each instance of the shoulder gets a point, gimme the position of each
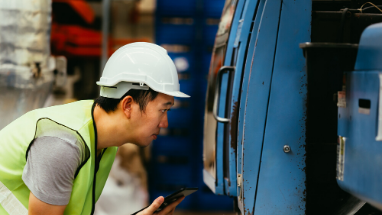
(55, 149)
(49, 131)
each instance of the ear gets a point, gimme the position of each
(127, 106)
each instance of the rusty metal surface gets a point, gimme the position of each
(247, 202)
(281, 187)
(234, 95)
(26, 74)
(213, 173)
(15, 101)
(256, 107)
(25, 32)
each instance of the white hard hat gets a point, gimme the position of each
(139, 66)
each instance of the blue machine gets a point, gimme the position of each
(262, 70)
(359, 162)
(271, 112)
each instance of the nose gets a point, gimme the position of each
(164, 122)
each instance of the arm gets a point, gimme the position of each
(38, 207)
(49, 174)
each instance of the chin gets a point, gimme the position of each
(143, 143)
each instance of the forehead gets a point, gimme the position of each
(164, 100)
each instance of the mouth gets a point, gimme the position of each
(155, 136)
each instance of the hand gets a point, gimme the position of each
(169, 210)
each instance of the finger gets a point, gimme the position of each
(154, 206)
(171, 206)
(172, 211)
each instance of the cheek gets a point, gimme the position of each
(153, 120)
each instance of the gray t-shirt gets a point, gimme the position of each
(51, 166)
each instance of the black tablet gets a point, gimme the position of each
(173, 197)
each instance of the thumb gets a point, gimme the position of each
(155, 205)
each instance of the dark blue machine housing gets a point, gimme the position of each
(360, 124)
(258, 107)
(270, 131)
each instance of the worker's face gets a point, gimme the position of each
(149, 122)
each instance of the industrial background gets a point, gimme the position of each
(278, 89)
(82, 34)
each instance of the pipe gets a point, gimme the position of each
(105, 31)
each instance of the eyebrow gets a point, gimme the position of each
(168, 103)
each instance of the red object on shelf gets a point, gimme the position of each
(82, 8)
(77, 41)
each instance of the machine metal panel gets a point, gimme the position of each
(281, 183)
(370, 49)
(250, 186)
(244, 82)
(213, 174)
(358, 127)
(213, 170)
(241, 44)
(359, 154)
(257, 96)
(220, 135)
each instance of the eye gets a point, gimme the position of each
(164, 110)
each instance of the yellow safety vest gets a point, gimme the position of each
(16, 138)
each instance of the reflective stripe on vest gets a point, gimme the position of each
(10, 203)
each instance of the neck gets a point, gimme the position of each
(108, 131)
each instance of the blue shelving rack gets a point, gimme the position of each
(187, 30)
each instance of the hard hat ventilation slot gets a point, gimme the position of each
(141, 84)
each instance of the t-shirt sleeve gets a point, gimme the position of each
(49, 172)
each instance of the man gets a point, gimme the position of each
(56, 160)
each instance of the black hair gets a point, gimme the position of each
(141, 97)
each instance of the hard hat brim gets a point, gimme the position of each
(176, 94)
